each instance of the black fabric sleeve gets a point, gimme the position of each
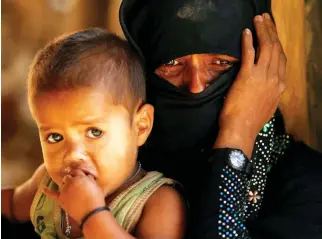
(292, 207)
(221, 211)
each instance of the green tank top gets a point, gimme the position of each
(46, 215)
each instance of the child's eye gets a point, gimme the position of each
(223, 63)
(54, 138)
(94, 133)
(172, 63)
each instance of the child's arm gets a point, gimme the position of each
(16, 203)
(163, 217)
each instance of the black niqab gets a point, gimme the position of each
(186, 123)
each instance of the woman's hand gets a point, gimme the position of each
(79, 194)
(256, 92)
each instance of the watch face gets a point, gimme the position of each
(237, 159)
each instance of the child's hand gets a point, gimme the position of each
(79, 194)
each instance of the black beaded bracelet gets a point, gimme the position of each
(92, 213)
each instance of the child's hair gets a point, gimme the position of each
(89, 58)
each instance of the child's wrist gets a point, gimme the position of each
(92, 214)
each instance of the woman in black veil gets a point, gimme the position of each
(217, 127)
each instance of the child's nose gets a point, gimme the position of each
(74, 154)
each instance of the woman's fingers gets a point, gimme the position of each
(282, 72)
(277, 66)
(248, 51)
(264, 42)
(270, 27)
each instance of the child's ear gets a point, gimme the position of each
(143, 121)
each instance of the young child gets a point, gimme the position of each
(86, 92)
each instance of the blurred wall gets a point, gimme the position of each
(313, 30)
(289, 19)
(28, 25)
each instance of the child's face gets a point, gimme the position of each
(82, 129)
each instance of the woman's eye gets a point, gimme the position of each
(223, 63)
(54, 138)
(172, 63)
(94, 133)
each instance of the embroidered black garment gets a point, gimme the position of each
(186, 125)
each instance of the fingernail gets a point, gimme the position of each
(267, 16)
(247, 31)
(67, 170)
(259, 18)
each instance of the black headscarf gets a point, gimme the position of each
(165, 30)
(185, 123)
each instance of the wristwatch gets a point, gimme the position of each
(239, 161)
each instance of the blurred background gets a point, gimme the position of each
(28, 25)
